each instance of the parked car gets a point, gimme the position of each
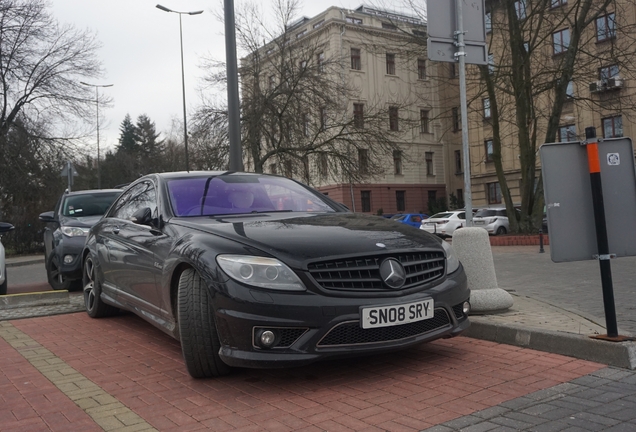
(493, 220)
(413, 219)
(4, 227)
(444, 224)
(65, 233)
(258, 271)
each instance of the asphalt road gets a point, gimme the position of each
(574, 286)
(27, 278)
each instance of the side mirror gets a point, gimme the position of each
(143, 216)
(48, 216)
(5, 227)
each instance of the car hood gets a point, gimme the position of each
(82, 222)
(299, 237)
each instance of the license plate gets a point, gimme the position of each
(479, 222)
(391, 315)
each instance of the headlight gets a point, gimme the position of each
(261, 272)
(452, 263)
(74, 231)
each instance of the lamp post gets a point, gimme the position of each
(185, 126)
(97, 86)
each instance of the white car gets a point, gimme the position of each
(4, 227)
(444, 224)
(493, 220)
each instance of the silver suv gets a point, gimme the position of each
(493, 220)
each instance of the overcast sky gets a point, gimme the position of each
(140, 53)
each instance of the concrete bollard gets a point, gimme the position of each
(472, 247)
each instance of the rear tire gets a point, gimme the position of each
(197, 330)
(501, 230)
(95, 307)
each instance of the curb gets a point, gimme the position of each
(43, 298)
(619, 354)
(17, 263)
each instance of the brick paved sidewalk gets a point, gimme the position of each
(72, 372)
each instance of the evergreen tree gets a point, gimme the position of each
(127, 136)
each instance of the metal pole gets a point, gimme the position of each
(234, 119)
(461, 56)
(99, 176)
(185, 121)
(601, 232)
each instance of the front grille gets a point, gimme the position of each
(289, 336)
(350, 333)
(363, 273)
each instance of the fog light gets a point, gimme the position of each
(267, 338)
(466, 308)
(68, 259)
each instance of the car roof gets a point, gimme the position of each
(91, 191)
(186, 174)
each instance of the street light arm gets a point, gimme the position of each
(195, 12)
(163, 8)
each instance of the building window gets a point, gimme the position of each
(560, 41)
(397, 162)
(365, 196)
(301, 34)
(390, 64)
(393, 118)
(490, 149)
(558, 3)
(272, 168)
(607, 72)
(520, 7)
(320, 62)
(352, 20)
(323, 165)
(421, 69)
(491, 63)
(305, 125)
(613, 127)
(319, 23)
(424, 126)
(389, 26)
(457, 119)
(358, 115)
(486, 104)
(567, 133)
(488, 20)
(432, 197)
(363, 161)
(323, 118)
(400, 200)
(428, 156)
(569, 91)
(460, 197)
(458, 162)
(452, 70)
(494, 193)
(356, 62)
(605, 27)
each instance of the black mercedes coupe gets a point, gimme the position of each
(259, 271)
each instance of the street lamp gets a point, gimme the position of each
(97, 86)
(185, 126)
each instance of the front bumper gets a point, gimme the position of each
(312, 327)
(70, 246)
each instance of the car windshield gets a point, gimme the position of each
(90, 204)
(486, 213)
(441, 215)
(235, 194)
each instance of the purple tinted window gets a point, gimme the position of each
(223, 195)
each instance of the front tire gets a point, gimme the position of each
(57, 280)
(95, 307)
(501, 230)
(197, 330)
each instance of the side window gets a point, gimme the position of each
(502, 213)
(139, 196)
(462, 216)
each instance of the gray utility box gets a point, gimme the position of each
(568, 198)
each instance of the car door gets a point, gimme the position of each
(130, 266)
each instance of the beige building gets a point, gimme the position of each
(372, 52)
